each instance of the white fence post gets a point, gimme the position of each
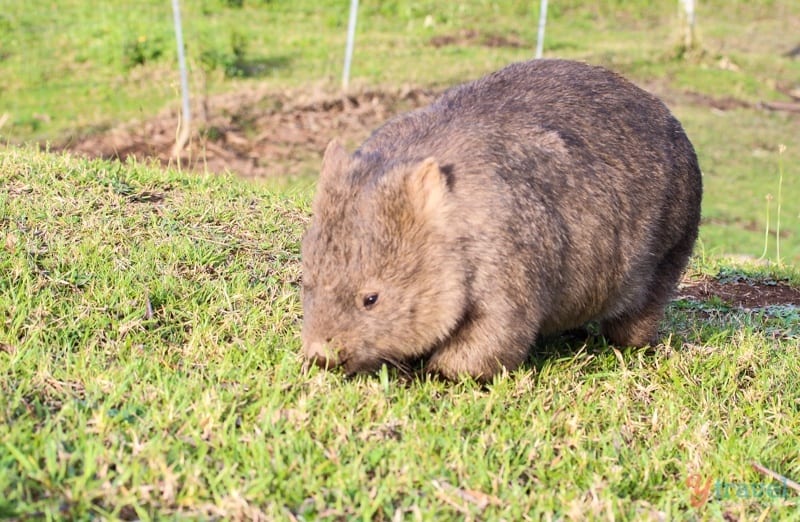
(688, 9)
(351, 36)
(185, 126)
(542, 22)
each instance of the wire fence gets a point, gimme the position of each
(75, 64)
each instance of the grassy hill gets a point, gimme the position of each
(149, 317)
(148, 369)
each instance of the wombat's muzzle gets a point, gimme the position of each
(322, 354)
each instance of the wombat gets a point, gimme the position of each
(531, 201)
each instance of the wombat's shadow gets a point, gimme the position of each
(586, 339)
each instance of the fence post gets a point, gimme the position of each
(351, 36)
(184, 129)
(540, 34)
(689, 14)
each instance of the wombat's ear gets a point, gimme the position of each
(427, 187)
(334, 162)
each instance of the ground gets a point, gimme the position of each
(258, 132)
(742, 293)
(239, 131)
(150, 317)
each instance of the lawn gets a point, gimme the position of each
(149, 317)
(149, 368)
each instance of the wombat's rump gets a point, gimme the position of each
(535, 199)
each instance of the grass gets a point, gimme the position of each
(149, 369)
(739, 155)
(82, 65)
(149, 318)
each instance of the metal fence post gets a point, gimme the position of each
(351, 36)
(185, 126)
(689, 14)
(542, 22)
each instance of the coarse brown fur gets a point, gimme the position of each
(535, 199)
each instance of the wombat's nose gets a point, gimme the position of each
(322, 354)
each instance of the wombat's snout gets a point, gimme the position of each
(322, 353)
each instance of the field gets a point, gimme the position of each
(149, 310)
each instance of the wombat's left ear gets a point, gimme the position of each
(334, 166)
(334, 162)
(427, 188)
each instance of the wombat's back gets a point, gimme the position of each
(566, 164)
(589, 110)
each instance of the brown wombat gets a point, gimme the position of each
(535, 199)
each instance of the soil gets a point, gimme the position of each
(743, 294)
(260, 132)
(472, 37)
(256, 132)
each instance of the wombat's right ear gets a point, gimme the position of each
(427, 188)
(334, 162)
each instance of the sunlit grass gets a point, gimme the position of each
(149, 369)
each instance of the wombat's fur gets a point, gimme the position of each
(528, 202)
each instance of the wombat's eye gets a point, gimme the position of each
(370, 300)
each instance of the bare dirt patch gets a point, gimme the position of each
(742, 294)
(258, 132)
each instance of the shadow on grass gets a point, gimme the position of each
(586, 339)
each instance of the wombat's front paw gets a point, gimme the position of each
(455, 364)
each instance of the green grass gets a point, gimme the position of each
(80, 64)
(195, 405)
(741, 163)
(149, 318)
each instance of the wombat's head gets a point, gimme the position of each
(382, 282)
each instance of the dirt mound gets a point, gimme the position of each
(741, 293)
(258, 132)
(263, 132)
(468, 37)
